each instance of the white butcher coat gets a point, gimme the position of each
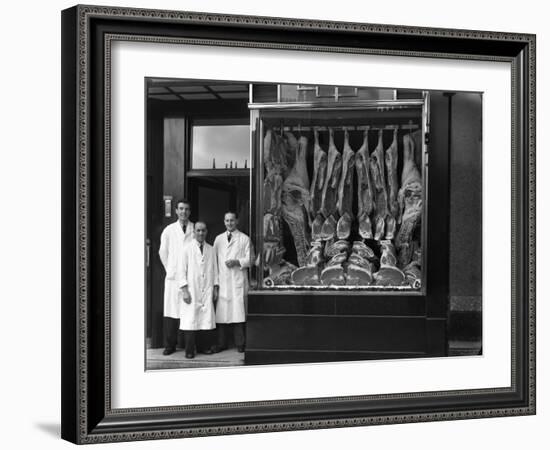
(172, 241)
(231, 307)
(199, 273)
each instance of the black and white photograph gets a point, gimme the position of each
(299, 223)
(292, 223)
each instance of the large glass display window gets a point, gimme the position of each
(342, 201)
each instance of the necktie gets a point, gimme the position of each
(184, 227)
(200, 246)
(228, 237)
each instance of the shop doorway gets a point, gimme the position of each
(211, 197)
(198, 147)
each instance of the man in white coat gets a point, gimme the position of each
(233, 254)
(172, 241)
(198, 282)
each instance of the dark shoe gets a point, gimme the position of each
(168, 351)
(217, 349)
(240, 349)
(189, 355)
(207, 351)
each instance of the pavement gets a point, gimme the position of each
(156, 360)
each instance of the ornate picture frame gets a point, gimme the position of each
(87, 35)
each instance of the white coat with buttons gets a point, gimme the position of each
(172, 241)
(231, 307)
(199, 273)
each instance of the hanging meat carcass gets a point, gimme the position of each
(343, 227)
(329, 197)
(345, 191)
(317, 183)
(295, 200)
(276, 153)
(291, 145)
(282, 154)
(333, 248)
(360, 267)
(317, 227)
(330, 189)
(410, 202)
(273, 181)
(309, 275)
(275, 161)
(268, 142)
(273, 250)
(328, 229)
(300, 164)
(345, 185)
(272, 231)
(363, 250)
(365, 194)
(333, 274)
(413, 271)
(359, 271)
(391, 170)
(280, 274)
(380, 193)
(388, 274)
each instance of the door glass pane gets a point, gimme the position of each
(220, 146)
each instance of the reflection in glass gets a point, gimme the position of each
(220, 146)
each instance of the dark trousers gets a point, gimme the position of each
(197, 340)
(171, 328)
(238, 333)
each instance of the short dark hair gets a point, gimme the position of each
(231, 212)
(183, 200)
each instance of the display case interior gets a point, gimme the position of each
(343, 196)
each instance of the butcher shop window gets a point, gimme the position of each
(342, 198)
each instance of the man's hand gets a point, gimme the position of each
(186, 295)
(232, 263)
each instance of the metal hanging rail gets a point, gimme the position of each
(299, 128)
(380, 105)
